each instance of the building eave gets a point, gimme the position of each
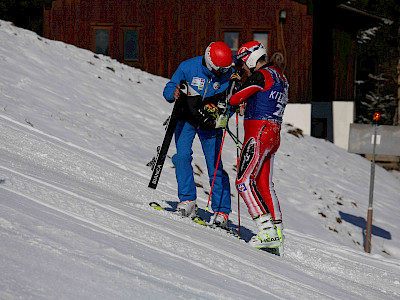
(365, 14)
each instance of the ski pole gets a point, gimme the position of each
(234, 137)
(216, 168)
(237, 164)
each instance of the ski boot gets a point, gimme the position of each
(279, 230)
(187, 208)
(221, 219)
(267, 236)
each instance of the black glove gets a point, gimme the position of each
(207, 120)
(193, 109)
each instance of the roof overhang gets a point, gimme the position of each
(354, 19)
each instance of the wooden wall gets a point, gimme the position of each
(173, 31)
(343, 65)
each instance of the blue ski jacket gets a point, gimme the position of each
(199, 77)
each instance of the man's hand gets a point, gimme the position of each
(177, 92)
(222, 121)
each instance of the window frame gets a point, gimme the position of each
(261, 30)
(234, 51)
(101, 27)
(124, 30)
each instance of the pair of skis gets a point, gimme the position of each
(197, 219)
(158, 162)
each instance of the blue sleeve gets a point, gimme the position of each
(223, 87)
(170, 87)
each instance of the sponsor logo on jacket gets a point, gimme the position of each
(241, 187)
(247, 156)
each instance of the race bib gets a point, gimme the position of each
(199, 82)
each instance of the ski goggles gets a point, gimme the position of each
(222, 69)
(238, 59)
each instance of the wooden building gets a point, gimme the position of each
(318, 38)
(157, 35)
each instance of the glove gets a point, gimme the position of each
(242, 107)
(218, 113)
(210, 114)
(235, 77)
(194, 111)
(221, 121)
(206, 120)
(211, 109)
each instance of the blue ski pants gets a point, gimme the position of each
(211, 144)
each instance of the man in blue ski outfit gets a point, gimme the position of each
(208, 76)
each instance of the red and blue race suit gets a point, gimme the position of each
(206, 84)
(266, 96)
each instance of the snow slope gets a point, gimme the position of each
(76, 131)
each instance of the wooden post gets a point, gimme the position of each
(371, 197)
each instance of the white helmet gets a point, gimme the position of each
(249, 53)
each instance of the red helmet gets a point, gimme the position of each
(218, 57)
(249, 53)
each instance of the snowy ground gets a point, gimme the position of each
(76, 131)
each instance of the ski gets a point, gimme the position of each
(158, 163)
(195, 219)
(199, 220)
(228, 230)
(276, 251)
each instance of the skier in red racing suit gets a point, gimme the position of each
(266, 95)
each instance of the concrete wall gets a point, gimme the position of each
(343, 116)
(299, 115)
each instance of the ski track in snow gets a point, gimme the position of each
(106, 214)
(67, 206)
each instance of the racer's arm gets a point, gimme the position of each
(259, 81)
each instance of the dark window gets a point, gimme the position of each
(319, 128)
(231, 38)
(261, 37)
(102, 41)
(131, 42)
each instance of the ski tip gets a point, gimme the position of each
(199, 220)
(155, 205)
